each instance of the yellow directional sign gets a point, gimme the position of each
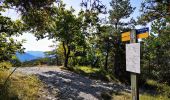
(126, 36)
(143, 35)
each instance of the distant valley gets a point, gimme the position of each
(30, 55)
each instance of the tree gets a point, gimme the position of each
(105, 44)
(67, 30)
(121, 9)
(94, 5)
(154, 10)
(8, 45)
(157, 45)
(36, 14)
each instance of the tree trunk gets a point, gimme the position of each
(106, 58)
(117, 53)
(66, 53)
(66, 62)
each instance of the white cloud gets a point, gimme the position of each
(32, 44)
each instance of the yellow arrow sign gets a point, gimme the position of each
(143, 35)
(126, 36)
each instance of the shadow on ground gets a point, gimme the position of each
(77, 87)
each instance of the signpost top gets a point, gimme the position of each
(142, 30)
(139, 34)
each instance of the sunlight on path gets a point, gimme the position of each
(70, 85)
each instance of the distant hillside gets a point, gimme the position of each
(36, 53)
(30, 55)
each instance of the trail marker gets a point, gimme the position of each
(126, 36)
(133, 57)
(140, 33)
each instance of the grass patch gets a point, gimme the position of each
(94, 73)
(116, 96)
(88, 69)
(161, 89)
(152, 91)
(127, 96)
(19, 87)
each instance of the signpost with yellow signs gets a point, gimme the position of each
(133, 56)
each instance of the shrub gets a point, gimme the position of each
(5, 66)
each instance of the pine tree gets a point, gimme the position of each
(157, 46)
(121, 9)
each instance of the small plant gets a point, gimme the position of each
(5, 66)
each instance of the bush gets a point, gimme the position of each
(5, 66)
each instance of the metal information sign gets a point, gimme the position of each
(133, 57)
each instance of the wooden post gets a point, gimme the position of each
(134, 78)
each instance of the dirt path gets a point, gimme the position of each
(70, 86)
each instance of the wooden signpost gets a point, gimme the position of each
(133, 57)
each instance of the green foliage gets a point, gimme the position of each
(19, 87)
(10, 27)
(94, 5)
(5, 66)
(88, 69)
(42, 9)
(94, 73)
(40, 62)
(121, 9)
(156, 55)
(153, 10)
(8, 45)
(16, 62)
(153, 91)
(69, 34)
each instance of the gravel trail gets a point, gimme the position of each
(65, 85)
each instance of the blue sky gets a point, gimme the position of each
(43, 45)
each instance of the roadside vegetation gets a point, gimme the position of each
(93, 73)
(18, 86)
(151, 90)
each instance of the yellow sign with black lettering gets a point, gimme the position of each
(143, 35)
(126, 36)
(140, 33)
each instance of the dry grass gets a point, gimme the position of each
(19, 86)
(162, 93)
